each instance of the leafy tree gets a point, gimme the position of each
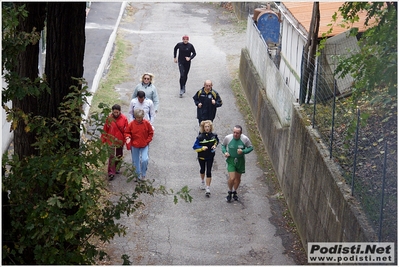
(44, 189)
(374, 68)
(65, 44)
(54, 204)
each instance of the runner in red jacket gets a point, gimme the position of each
(114, 130)
(139, 134)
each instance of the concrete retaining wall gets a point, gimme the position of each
(318, 199)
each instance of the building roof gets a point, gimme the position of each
(302, 13)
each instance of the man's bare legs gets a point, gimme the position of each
(233, 183)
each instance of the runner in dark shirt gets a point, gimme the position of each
(207, 101)
(186, 54)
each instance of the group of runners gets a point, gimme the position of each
(138, 133)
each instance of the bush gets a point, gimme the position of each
(56, 202)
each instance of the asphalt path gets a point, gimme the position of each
(101, 20)
(208, 231)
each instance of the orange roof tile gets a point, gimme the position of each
(302, 12)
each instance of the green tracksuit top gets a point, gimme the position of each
(231, 145)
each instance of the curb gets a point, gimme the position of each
(104, 60)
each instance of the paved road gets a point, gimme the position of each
(208, 231)
(101, 21)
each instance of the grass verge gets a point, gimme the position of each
(117, 73)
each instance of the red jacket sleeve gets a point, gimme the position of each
(128, 131)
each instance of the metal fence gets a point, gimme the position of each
(362, 140)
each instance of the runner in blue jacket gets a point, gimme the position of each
(205, 145)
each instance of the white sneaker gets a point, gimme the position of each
(202, 186)
(207, 192)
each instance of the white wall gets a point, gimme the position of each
(292, 43)
(277, 91)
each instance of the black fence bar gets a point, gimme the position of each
(382, 192)
(315, 98)
(355, 153)
(301, 85)
(333, 119)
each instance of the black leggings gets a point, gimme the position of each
(208, 164)
(184, 68)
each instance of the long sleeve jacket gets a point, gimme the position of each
(140, 133)
(150, 92)
(207, 110)
(206, 139)
(185, 50)
(231, 145)
(114, 130)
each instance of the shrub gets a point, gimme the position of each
(55, 203)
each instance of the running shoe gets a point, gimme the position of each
(235, 197)
(208, 192)
(228, 198)
(202, 186)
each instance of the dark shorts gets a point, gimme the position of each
(235, 165)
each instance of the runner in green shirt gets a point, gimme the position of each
(234, 148)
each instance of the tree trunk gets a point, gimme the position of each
(28, 68)
(64, 60)
(65, 52)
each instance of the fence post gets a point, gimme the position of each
(356, 142)
(333, 118)
(315, 94)
(382, 191)
(301, 85)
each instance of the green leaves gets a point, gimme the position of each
(59, 199)
(13, 43)
(55, 200)
(374, 68)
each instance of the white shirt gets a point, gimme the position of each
(150, 93)
(147, 106)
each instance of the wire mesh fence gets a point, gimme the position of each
(362, 140)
